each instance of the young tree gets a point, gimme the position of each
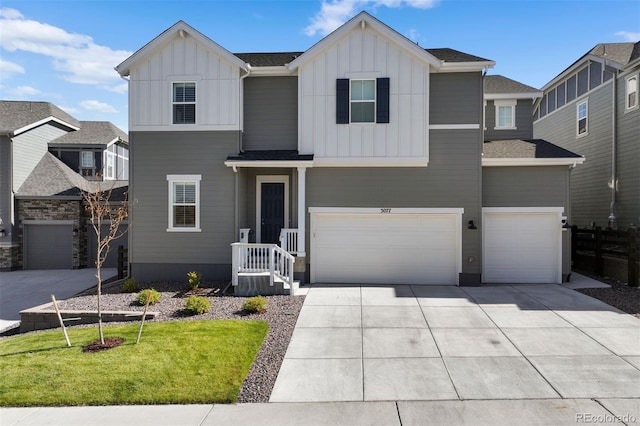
(103, 210)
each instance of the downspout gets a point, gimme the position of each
(236, 220)
(614, 143)
(240, 105)
(236, 214)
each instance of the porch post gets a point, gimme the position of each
(302, 173)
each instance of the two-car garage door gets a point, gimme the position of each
(386, 246)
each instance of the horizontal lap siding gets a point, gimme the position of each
(158, 154)
(590, 195)
(451, 180)
(270, 113)
(524, 120)
(29, 148)
(455, 98)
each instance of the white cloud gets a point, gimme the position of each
(629, 36)
(68, 109)
(22, 91)
(8, 68)
(76, 56)
(93, 105)
(413, 35)
(118, 88)
(334, 13)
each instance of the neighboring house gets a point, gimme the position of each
(361, 155)
(44, 155)
(592, 108)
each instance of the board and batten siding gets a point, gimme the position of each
(452, 180)
(524, 122)
(29, 148)
(184, 60)
(364, 54)
(456, 98)
(270, 113)
(590, 193)
(628, 152)
(158, 154)
(530, 187)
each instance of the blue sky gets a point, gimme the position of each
(64, 51)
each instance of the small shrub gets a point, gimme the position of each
(148, 294)
(130, 285)
(196, 305)
(194, 279)
(255, 304)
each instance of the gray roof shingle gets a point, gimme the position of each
(495, 84)
(91, 133)
(270, 155)
(617, 52)
(451, 55)
(17, 114)
(525, 148)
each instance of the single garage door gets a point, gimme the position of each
(48, 246)
(385, 248)
(522, 247)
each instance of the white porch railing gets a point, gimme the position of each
(252, 259)
(289, 240)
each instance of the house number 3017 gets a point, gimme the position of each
(385, 210)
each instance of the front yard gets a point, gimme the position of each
(181, 362)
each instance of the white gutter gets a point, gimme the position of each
(517, 162)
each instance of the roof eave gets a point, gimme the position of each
(363, 18)
(268, 163)
(578, 64)
(35, 124)
(524, 95)
(465, 66)
(271, 71)
(519, 162)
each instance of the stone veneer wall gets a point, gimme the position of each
(10, 257)
(47, 209)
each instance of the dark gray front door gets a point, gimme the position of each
(272, 212)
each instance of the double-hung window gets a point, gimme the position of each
(362, 100)
(110, 165)
(184, 202)
(505, 114)
(87, 160)
(184, 103)
(582, 118)
(631, 92)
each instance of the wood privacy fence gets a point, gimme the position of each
(123, 262)
(602, 244)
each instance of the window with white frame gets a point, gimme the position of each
(582, 118)
(505, 114)
(184, 202)
(363, 101)
(631, 92)
(184, 103)
(110, 165)
(87, 160)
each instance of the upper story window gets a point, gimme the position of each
(505, 114)
(362, 100)
(87, 160)
(110, 166)
(184, 202)
(631, 92)
(184, 103)
(582, 118)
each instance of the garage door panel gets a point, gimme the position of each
(403, 249)
(521, 247)
(48, 247)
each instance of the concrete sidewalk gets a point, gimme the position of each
(388, 413)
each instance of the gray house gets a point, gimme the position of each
(47, 158)
(358, 160)
(592, 108)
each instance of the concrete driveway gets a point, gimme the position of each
(25, 289)
(437, 343)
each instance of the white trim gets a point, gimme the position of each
(465, 66)
(9, 244)
(184, 127)
(260, 179)
(272, 71)
(508, 103)
(627, 108)
(504, 162)
(454, 126)
(586, 118)
(386, 210)
(171, 179)
(185, 80)
(371, 162)
(495, 96)
(43, 121)
(558, 211)
(578, 67)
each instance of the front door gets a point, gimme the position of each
(272, 211)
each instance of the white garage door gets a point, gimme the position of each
(522, 247)
(385, 248)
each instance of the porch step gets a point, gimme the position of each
(257, 283)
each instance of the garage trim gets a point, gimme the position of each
(387, 211)
(557, 211)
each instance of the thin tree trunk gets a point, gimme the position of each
(98, 275)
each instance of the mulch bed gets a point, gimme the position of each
(98, 346)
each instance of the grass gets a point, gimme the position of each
(181, 362)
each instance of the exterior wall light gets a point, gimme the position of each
(472, 225)
(75, 232)
(3, 232)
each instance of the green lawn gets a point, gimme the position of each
(181, 362)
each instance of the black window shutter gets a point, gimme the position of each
(342, 101)
(382, 100)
